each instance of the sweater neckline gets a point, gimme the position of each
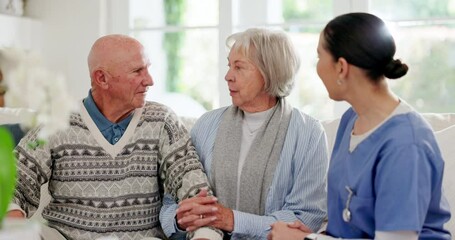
(111, 149)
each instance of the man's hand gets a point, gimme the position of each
(15, 214)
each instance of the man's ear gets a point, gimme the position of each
(99, 77)
(342, 68)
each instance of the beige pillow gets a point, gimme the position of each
(16, 115)
(440, 121)
(331, 128)
(446, 142)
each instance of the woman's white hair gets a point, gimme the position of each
(273, 54)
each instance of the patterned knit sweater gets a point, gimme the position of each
(99, 189)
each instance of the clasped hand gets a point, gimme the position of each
(203, 210)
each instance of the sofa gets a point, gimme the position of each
(443, 125)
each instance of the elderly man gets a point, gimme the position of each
(108, 172)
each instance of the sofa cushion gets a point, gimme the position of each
(331, 127)
(16, 115)
(440, 121)
(445, 140)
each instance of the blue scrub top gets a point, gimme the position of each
(395, 175)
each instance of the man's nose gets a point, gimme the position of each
(149, 79)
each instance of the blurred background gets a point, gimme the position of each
(186, 42)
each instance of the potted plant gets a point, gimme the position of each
(7, 171)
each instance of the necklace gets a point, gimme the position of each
(251, 129)
(254, 121)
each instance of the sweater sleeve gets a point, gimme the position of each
(33, 170)
(180, 169)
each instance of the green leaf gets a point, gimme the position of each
(7, 171)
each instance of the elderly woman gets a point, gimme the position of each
(266, 160)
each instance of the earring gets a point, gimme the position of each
(339, 82)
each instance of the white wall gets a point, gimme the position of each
(20, 32)
(69, 28)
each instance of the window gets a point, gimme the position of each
(424, 31)
(182, 40)
(186, 40)
(186, 35)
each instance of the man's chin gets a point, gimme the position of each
(139, 103)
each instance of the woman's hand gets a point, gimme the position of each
(201, 211)
(224, 218)
(197, 211)
(299, 225)
(290, 231)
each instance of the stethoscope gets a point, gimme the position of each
(346, 212)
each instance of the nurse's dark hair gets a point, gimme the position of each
(364, 41)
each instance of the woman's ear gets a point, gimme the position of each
(99, 76)
(342, 68)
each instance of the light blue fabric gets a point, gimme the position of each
(111, 131)
(298, 188)
(395, 175)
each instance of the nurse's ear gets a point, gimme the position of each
(342, 68)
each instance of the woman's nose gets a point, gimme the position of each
(228, 76)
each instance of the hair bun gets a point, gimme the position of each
(395, 69)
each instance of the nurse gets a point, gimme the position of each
(386, 170)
